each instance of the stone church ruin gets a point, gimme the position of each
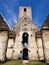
(25, 40)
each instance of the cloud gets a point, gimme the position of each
(10, 16)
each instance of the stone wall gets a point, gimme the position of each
(10, 46)
(3, 45)
(32, 47)
(46, 44)
(17, 45)
(40, 49)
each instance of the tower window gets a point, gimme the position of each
(24, 18)
(25, 9)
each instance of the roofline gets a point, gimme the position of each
(44, 21)
(4, 20)
(25, 6)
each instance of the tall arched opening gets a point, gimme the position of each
(25, 54)
(25, 39)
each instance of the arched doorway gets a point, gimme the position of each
(25, 39)
(25, 54)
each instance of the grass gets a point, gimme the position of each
(36, 63)
(19, 62)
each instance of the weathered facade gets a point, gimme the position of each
(45, 37)
(25, 40)
(3, 38)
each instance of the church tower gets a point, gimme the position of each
(25, 11)
(25, 31)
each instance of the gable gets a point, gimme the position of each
(46, 23)
(25, 22)
(3, 25)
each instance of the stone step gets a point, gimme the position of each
(25, 62)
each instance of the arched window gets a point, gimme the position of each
(25, 9)
(25, 24)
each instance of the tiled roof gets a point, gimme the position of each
(3, 24)
(46, 23)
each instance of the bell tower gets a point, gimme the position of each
(25, 11)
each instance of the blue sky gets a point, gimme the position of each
(9, 10)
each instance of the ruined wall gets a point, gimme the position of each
(46, 44)
(9, 53)
(17, 45)
(3, 45)
(32, 47)
(28, 12)
(40, 49)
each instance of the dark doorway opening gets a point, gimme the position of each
(25, 54)
(25, 39)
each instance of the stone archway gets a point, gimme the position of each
(25, 39)
(25, 54)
